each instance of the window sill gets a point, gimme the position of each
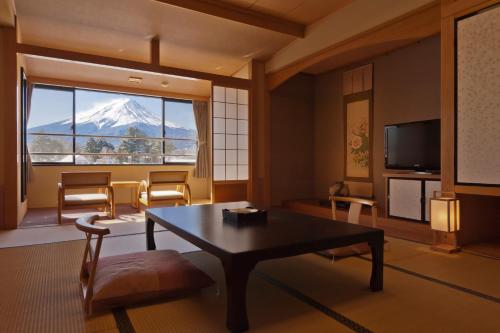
(108, 165)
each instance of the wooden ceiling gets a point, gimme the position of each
(188, 39)
(108, 78)
(301, 11)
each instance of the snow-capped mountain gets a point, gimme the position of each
(117, 113)
(115, 118)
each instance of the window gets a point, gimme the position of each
(230, 134)
(180, 132)
(79, 126)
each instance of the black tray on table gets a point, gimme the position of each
(244, 216)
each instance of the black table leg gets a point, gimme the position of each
(150, 235)
(236, 287)
(377, 278)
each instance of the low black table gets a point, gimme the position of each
(240, 248)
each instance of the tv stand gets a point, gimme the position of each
(407, 194)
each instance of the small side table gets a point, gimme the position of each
(134, 190)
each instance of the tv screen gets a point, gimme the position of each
(414, 146)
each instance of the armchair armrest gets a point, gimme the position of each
(145, 187)
(86, 224)
(188, 190)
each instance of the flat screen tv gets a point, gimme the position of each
(414, 146)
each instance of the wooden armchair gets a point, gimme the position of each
(356, 204)
(150, 195)
(92, 181)
(132, 278)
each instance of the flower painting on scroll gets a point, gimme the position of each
(358, 139)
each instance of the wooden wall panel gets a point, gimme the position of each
(230, 191)
(358, 80)
(8, 129)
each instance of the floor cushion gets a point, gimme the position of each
(163, 195)
(85, 199)
(144, 276)
(346, 251)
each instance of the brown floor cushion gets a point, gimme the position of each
(346, 251)
(144, 276)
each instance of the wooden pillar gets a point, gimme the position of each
(260, 187)
(8, 128)
(450, 10)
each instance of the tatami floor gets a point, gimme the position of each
(424, 291)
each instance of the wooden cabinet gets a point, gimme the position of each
(407, 195)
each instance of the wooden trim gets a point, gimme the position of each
(478, 190)
(11, 196)
(241, 15)
(130, 64)
(230, 182)
(447, 104)
(155, 51)
(464, 7)
(411, 175)
(112, 88)
(260, 192)
(409, 28)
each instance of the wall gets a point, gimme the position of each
(2, 122)
(406, 88)
(292, 106)
(42, 190)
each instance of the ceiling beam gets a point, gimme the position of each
(7, 13)
(112, 88)
(155, 51)
(130, 64)
(409, 28)
(240, 14)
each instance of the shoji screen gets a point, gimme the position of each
(478, 98)
(230, 134)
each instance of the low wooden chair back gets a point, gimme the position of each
(356, 204)
(97, 179)
(168, 178)
(90, 256)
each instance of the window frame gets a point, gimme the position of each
(74, 136)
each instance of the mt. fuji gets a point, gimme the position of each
(115, 118)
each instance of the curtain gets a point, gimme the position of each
(200, 109)
(29, 93)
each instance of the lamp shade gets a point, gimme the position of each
(445, 214)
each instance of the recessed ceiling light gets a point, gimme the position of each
(120, 50)
(135, 79)
(164, 84)
(218, 68)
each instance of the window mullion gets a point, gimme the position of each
(74, 127)
(163, 130)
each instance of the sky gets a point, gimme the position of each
(51, 105)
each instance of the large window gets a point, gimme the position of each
(77, 126)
